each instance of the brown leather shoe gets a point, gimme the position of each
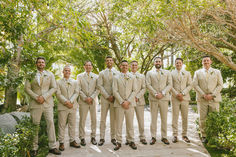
(113, 141)
(117, 147)
(127, 142)
(175, 139)
(132, 145)
(153, 141)
(33, 153)
(101, 142)
(164, 140)
(93, 141)
(82, 142)
(143, 141)
(55, 151)
(74, 144)
(61, 147)
(185, 138)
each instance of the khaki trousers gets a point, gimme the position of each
(129, 116)
(83, 112)
(139, 110)
(181, 106)
(64, 117)
(105, 106)
(162, 105)
(205, 107)
(36, 114)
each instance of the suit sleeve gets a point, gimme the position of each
(219, 85)
(29, 91)
(134, 91)
(142, 90)
(149, 85)
(81, 93)
(169, 84)
(52, 88)
(101, 86)
(76, 92)
(115, 91)
(196, 84)
(189, 84)
(60, 97)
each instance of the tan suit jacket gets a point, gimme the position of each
(66, 92)
(105, 84)
(46, 89)
(124, 89)
(88, 87)
(141, 88)
(213, 85)
(162, 85)
(182, 85)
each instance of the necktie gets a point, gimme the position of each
(207, 75)
(179, 76)
(158, 75)
(110, 74)
(41, 78)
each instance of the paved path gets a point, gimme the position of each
(179, 149)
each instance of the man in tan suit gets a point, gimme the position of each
(159, 84)
(105, 80)
(67, 93)
(208, 84)
(88, 100)
(139, 98)
(124, 90)
(182, 84)
(40, 89)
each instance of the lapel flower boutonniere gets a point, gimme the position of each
(127, 77)
(212, 72)
(91, 77)
(162, 73)
(182, 73)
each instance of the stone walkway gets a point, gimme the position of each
(179, 149)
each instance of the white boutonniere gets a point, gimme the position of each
(91, 77)
(127, 77)
(162, 73)
(182, 73)
(212, 72)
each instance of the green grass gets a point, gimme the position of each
(215, 152)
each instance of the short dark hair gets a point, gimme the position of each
(157, 58)
(87, 62)
(179, 59)
(206, 57)
(109, 57)
(38, 58)
(124, 61)
(134, 61)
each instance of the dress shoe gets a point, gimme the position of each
(185, 138)
(113, 141)
(101, 142)
(55, 151)
(153, 141)
(127, 142)
(61, 147)
(204, 140)
(93, 141)
(82, 142)
(143, 141)
(117, 147)
(74, 144)
(132, 145)
(175, 139)
(164, 140)
(33, 153)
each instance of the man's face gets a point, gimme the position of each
(134, 67)
(178, 64)
(158, 63)
(88, 67)
(109, 62)
(206, 62)
(40, 64)
(124, 67)
(66, 72)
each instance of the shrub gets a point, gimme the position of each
(221, 126)
(19, 143)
